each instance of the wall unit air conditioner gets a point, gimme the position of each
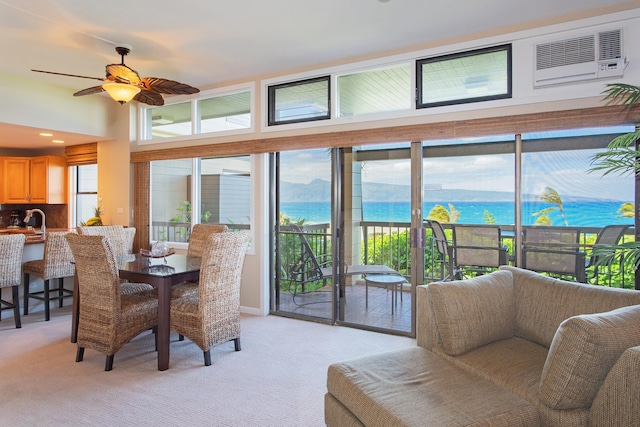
(593, 56)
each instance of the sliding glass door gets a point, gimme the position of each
(303, 245)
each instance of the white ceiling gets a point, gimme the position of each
(206, 43)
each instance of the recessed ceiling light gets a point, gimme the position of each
(58, 141)
(46, 134)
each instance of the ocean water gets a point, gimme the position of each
(578, 214)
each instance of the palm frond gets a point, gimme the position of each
(627, 253)
(621, 161)
(622, 93)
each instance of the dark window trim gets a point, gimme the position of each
(420, 62)
(271, 121)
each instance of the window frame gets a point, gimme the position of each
(271, 101)
(507, 47)
(144, 134)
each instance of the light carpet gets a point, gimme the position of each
(278, 379)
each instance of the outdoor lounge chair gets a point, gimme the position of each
(306, 271)
(476, 249)
(607, 237)
(554, 251)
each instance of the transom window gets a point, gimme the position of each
(300, 101)
(473, 76)
(220, 113)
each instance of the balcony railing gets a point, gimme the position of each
(389, 244)
(180, 232)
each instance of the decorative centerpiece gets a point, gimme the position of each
(159, 249)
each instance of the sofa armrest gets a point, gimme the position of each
(426, 330)
(617, 400)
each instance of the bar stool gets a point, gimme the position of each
(10, 261)
(57, 263)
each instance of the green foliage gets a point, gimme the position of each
(442, 215)
(627, 210)
(286, 220)
(489, 218)
(621, 156)
(184, 213)
(551, 196)
(390, 249)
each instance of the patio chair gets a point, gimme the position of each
(476, 249)
(555, 251)
(442, 248)
(607, 238)
(300, 266)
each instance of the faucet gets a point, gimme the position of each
(28, 217)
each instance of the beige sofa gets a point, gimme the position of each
(512, 348)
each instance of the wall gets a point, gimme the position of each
(53, 108)
(114, 168)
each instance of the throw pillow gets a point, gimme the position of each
(473, 312)
(582, 352)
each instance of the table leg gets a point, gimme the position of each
(394, 296)
(366, 293)
(164, 301)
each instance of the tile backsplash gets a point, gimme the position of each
(56, 215)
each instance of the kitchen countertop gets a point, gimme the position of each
(32, 235)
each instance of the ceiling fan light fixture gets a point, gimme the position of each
(121, 92)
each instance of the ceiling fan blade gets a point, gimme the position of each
(149, 97)
(122, 74)
(155, 84)
(89, 91)
(69, 75)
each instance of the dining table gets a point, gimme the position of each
(160, 272)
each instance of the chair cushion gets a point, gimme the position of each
(414, 387)
(583, 351)
(473, 312)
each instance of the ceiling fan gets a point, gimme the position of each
(124, 84)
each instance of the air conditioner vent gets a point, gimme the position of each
(587, 57)
(565, 52)
(610, 45)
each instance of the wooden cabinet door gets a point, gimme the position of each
(16, 179)
(39, 184)
(48, 180)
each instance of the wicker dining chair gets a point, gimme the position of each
(197, 241)
(56, 263)
(11, 248)
(212, 315)
(108, 319)
(121, 237)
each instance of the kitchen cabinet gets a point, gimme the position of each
(34, 180)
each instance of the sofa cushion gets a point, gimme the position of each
(514, 364)
(473, 312)
(542, 303)
(414, 387)
(583, 351)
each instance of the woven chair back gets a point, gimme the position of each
(58, 258)
(98, 277)
(199, 235)
(11, 247)
(221, 273)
